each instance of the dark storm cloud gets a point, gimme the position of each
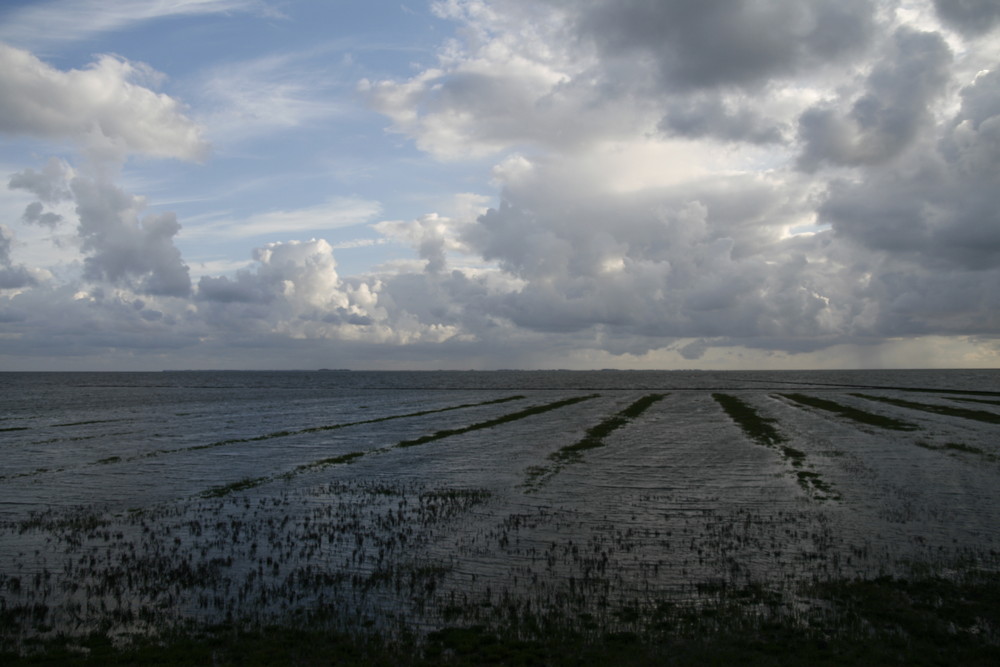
(707, 116)
(974, 17)
(707, 43)
(940, 206)
(242, 288)
(891, 113)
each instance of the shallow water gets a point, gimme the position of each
(115, 510)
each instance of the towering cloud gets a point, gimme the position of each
(124, 248)
(108, 114)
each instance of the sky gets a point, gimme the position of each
(481, 184)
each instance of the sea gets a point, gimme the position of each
(133, 502)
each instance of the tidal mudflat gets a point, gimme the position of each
(507, 515)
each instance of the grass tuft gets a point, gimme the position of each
(242, 485)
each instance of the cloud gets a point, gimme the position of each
(940, 207)
(517, 78)
(104, 108)
(973, 17)
(692, 44)
(431, 235)
(701, 259)
(35, 214)
(896, 106)
(123, 248)
(59, 20)
(614, 236)
(12, 276)
(714, 117)
(50, 185)
(293, 290)
(62, 322)
(267, 94)
(335, 213)
(299, 272)
(568, 75)
(674, 182)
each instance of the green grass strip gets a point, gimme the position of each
(503, 419)
(87, 423)
(761, 430)
(266, 436)
(757, 427)
(964, 413)
(331, 427)
(853, 414)
(351, 457)
(595, 435)
(974, 400)
(242, 485)
(322, 463)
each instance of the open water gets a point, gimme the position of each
(130, 501)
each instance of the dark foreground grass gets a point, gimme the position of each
(852, 413)
(951, 447)
(885, 621)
